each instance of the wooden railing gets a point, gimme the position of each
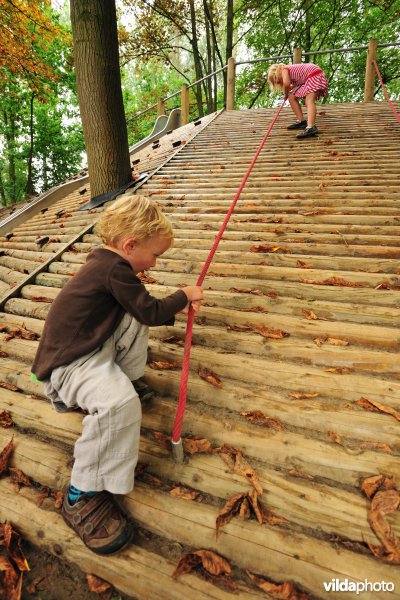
(296, 57)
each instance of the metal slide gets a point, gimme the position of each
(162, 126)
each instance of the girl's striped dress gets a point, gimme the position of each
(307, 77)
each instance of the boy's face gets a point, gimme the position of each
(142, 254)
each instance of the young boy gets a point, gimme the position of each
(93, 347)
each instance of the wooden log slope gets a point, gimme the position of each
(301, 321)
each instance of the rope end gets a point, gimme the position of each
(177, 451)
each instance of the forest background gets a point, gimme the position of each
(164, 43)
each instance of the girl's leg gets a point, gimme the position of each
(295, 106)
(311, 108)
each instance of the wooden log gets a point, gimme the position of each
(136, 571)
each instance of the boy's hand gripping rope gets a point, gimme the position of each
(177, 449)
(396, 114)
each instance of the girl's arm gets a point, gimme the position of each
(287, 84)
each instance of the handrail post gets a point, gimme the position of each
(160, 107)
(185, 104)
(230, 84)
(297, 56)
(370, 71)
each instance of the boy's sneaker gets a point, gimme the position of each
(298, 125)
(308, 132)
(144, 391)
(99, 522)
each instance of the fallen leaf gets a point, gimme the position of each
(377, 446)
(265, 249)
(302, 265)
(98, 586)
(375, 406)
(336, 342)
(377, 482)
(5, 455)
(258, 418)
(184, 493)
(144, 278)
(295, 473)
(174, 339)
(238, 464)
(334, 437)
(210, 377)
(244, 505)
(339, 281)
(5, 419)
(197, 445)
(303, 395)
(272, 519)
(338, 370)
(19, 477)
(309, 314)
(212, 562)
(42, 298)
(284, 591)
(385, 503)
(9, 386)
(160, 365)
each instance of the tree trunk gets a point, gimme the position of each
(209, 62)
(307, 44)
(229, 29)
(30, 190)
(197, 61)
(94, 27)
(9, 121)
(3, 201)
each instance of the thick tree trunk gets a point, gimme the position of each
(29, 184)
(94, 26)
(307, 45)
(196, 56)
(229, 29)
(9, 120)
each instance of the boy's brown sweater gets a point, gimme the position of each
(90, 307)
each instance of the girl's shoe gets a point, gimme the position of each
(99, 522)
(298, 125)
(308, 132)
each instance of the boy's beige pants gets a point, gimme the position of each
(100, 383)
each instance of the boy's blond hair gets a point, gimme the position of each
(136, 217)
(275, 72)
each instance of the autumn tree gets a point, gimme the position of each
(94, 28)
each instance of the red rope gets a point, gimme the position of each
(176, 434)
(396, 114)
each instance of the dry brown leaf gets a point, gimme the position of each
(269, 332)
(34, 587)
(212, 562)
(272, 519)
(309, 314)
(258, 418)
(339, 281)
(5, 419)
(303, 395)
(319, 341)
(98, 586)
(334, 437)
(9, 386)
(3, 354)
(264, 249)
(163, 365)
(284, 591)
(336, 341)
(11, 540)
(377, 446)
(302, 265)
(375, 406)
(20, 333)
(197, 445)
(19, 477)
(145, 278)
(42, 298)
(377, 482)
(385, 503)
(339, 370)
(210, 377)
(163, 439)
(173, 339)
(184, 493)
(5, 455)
(230, 508)
(238, 464)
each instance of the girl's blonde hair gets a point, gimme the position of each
(275, 73)
(137, 217)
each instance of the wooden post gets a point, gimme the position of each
(230, 85)
(370, 72)
(160, 107)
(185, 104)
(297, 56)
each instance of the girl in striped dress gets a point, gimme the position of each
(305, 80)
